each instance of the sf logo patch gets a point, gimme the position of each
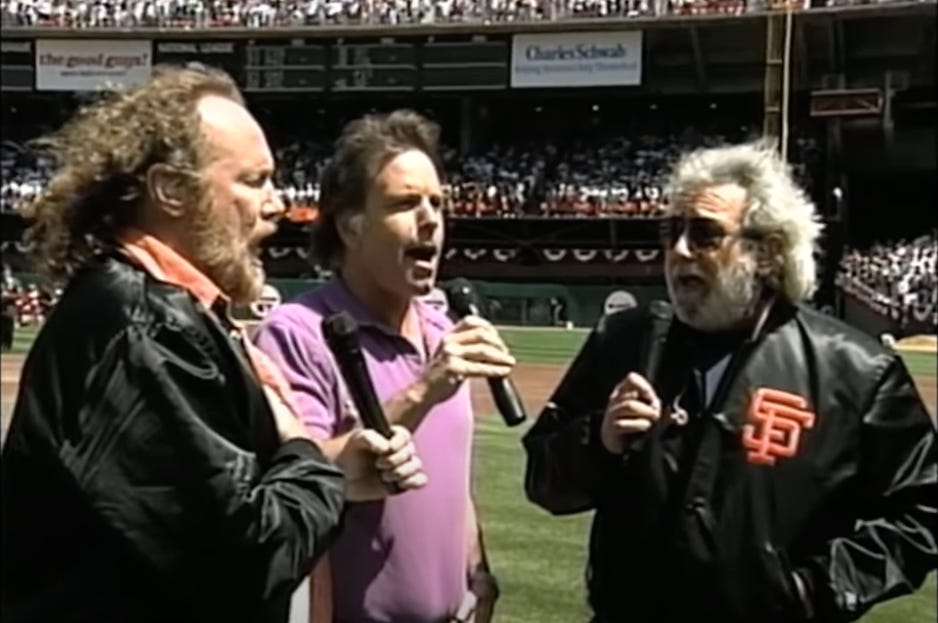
(775, 420)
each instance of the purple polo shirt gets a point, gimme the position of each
(402, 558)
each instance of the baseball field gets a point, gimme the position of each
(539, 559)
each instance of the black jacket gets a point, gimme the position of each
(691, 521)
(143, 477)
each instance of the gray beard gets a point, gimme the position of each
(731, 299)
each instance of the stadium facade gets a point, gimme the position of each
(858, 79)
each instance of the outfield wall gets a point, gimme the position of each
(535, 304)
(872, 322)
(525, 304)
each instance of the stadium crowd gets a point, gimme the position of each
(293, 13)
(896, 279)
(617, 176)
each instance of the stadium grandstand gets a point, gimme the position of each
(555, 173)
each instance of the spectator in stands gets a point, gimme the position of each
(267, 13)
(898, 280)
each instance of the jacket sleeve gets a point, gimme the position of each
(892, 547)
(187, 501)
(567, 465)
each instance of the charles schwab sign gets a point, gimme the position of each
(577, 59)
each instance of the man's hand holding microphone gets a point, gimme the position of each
(471, 349)
(633, 408)
(371, 462)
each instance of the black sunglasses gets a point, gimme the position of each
(703, 234)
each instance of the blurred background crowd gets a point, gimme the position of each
(896, 279)
(292, 13)
(609, 176)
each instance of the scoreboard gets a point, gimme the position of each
(318, 65)
(350, 66)
(384, 66)
(17, 65)
(292, 65)
(459, 65)
(225, 55)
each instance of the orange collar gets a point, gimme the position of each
(165, 264)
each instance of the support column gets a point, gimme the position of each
(777, 77)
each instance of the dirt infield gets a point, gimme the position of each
(535, 382)
(919, 343)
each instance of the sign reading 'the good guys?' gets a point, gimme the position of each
(90, 65)
(577, 59)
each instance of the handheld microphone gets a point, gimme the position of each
(653, 349)
(462, 301)
(341, 333)
(660, 314)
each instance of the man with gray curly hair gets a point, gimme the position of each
(741, 193)
(776, 465)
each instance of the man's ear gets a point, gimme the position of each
(769, 254)
(167, 189)
(350, 227)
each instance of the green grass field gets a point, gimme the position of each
(532, 345)
(540, 559)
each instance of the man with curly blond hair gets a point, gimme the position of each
(155, 469)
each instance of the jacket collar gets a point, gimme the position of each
(165, 264)
(168, 266)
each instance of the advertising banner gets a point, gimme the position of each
(576, 59)
(91, 65)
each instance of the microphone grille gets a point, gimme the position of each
(339, 327)
(460, 295)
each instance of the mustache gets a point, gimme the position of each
(687, 271)
(424, 250)
(261, 232)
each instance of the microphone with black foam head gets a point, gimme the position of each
(341, 333)
(462, 301)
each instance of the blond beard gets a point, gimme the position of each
(730, 300)
(222, 255)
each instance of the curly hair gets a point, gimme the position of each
(363, 148)
(103, 155)
(775, 205)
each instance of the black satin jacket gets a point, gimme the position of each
(851, 511)
(143, 477)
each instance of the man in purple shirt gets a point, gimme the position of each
(416, 557)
